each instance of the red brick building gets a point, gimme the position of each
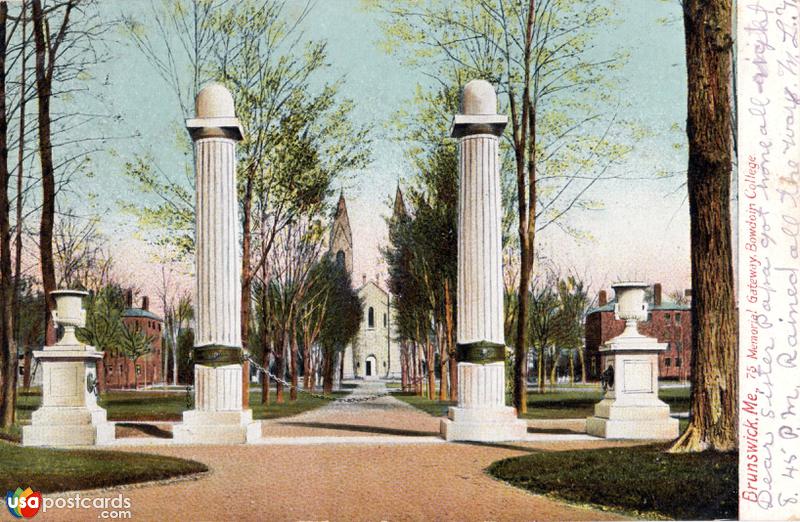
(668, 322)
(121, 372)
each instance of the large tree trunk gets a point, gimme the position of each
(44, 80)
(26, 378)
(714, 416)
(247, 209)
(8, 346)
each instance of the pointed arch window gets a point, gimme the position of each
(340, 261)
(371, 318)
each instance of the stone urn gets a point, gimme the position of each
(69, 314)
(630, 306)
(630, 408)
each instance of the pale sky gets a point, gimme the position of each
(641, 233)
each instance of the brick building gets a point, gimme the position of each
(668, 322)
(121, 372)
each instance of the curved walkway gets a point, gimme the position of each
(355, 481)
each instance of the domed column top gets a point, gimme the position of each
(478, 111)
(215, 114)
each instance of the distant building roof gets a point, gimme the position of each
(138, 312)
(666, 305)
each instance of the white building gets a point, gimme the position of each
(375, 354)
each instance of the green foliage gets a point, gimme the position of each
(576, 135)
(135, 342)
(104, 328)
(185, 366)
(299, 139)
(344, 307)
(422, 255)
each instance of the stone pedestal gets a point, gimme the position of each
(481, 414)
(631, 408)
(69, 414)
(218, 416)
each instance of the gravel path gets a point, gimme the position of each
(346, 482)
(378, 417)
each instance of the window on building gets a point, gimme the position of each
(667, 317)
(371, 317)
(110, 370)
(340, 259)
(667, 362)
(678, 362)
(384, 320)
(120, 368)
(677, 317)
(138, 370)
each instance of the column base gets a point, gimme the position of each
(67, 426)
(217, 427)
(483, 425)
(638, 422)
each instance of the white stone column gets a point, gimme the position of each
(218, 416)
(481, 414)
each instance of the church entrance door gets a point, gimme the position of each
(371, 367)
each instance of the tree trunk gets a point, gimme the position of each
(452, 362)
(430, 359)
(280, 366)
(293, 361)
(540, 369)
(26, 378)
(328, 364)
(442, 367)
(44, 79)
(713, 409)
(247, 205)
(520, 353)
(582, 358)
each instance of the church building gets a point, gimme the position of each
(375, 353)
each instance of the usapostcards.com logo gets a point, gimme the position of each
(23, 504)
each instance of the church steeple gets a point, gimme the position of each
(399, 204)
(341, 244)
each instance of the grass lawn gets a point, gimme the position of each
(303, 403)
(554, 405)
(435, 408)
(580, 403)
(639, 479)
(159, 406)
(50, 470)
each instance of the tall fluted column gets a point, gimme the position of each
(481, 414)
(218, 416)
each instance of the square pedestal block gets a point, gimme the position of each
(61, 426)
(69, 415)
(217, 427)
(483, 425)
(650, 420)
(663, 429)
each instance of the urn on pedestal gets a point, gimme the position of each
(69, 414)
(630, 408)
